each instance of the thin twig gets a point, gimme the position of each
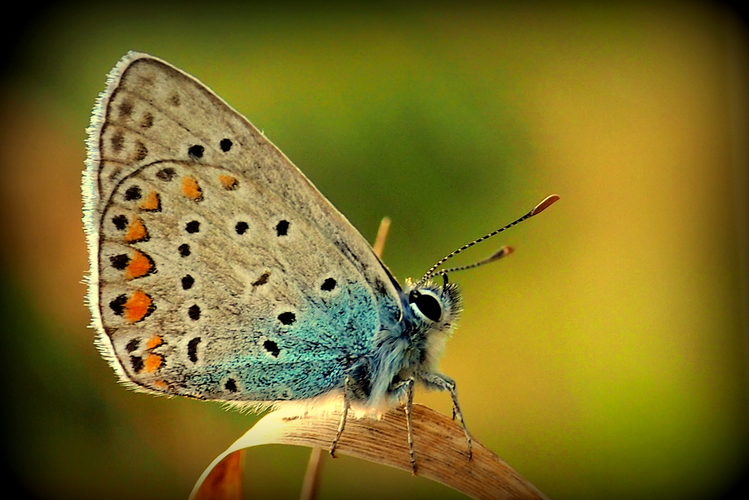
(312, 476)
(382, 234)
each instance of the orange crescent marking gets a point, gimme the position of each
(137, 307)
(191, 189)
(151, 203)
(136, 231)
(139, 265)
(152, 363)
(154, 342)
(228, 182)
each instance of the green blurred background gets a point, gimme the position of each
(607, 358)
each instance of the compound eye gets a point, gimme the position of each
(426, 303)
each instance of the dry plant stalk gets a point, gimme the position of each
(439, 443)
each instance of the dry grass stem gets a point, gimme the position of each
(440, 445)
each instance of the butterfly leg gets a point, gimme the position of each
(445, 383)
(344, 415)
(409, 422)
(397, 391)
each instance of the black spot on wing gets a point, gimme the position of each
(282, 228)
(133, 193)
(137, 363)
(195, 151)
(166, 174)
(328, 285)
(132, 345)
(120, 222)
(192, 349)
(262, 280)
(287, 318)
(192, 227)
(120, 261)
(194, 312)
(241, 227)
(187, 282)
(118, 305)
(272, 348)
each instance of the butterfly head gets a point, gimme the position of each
(436, 305)
(433, 310)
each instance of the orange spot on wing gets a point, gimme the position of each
(228, 182)
(152, 363)
(161, 384)
(191, 188)
(136, 231)
(151, 203)
(140, 265)
(154, 342)
(138, 306)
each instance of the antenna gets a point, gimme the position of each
(502, 252)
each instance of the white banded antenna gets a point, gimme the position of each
(502, 252)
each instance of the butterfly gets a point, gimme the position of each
(219, 272)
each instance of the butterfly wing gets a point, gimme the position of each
(218, 271)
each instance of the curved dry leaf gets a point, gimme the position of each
(439, 444)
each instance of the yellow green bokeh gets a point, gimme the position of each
(607, 358)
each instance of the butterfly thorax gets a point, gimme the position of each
(408, 351)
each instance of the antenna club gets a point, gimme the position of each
(504, 251)
(546, 203)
